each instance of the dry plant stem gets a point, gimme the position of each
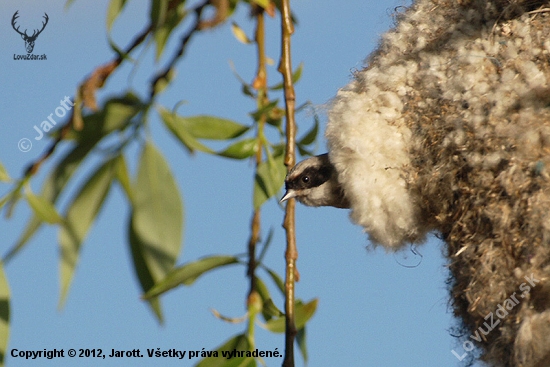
(260, 83)
(285, 68)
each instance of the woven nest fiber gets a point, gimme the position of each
(447, 129)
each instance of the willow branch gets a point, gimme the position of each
(291, 255)
(87, 91)
(260, 84)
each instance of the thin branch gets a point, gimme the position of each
(87, 89)
(260, 84)
(291, 255)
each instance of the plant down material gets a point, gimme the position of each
(447, 129)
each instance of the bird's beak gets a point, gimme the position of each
(288, 195)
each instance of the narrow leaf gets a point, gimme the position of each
(270, 176)
(242, 149)
(187, 274)
(174, 15)
(264, 111)
(4, 177)
(238, 342)
(301, 341)
(305, 152)
(113, 10)
(5, 199)
(4, 314)
(276, 279)
(302, 313)
(94, 129)
(43, 208)
(51, 189)
(138, 248)
(211, 127)
(263, 3)
(115, 115)
(157, 218)
(296, 75)
(123, 177)
(269, 309)
(311, 135)
(240, 34)
(266, 245)
(181, 133)
(159, 9)
(80, 215)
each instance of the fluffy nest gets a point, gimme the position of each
(463, 87)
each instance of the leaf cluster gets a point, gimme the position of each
(155, 225)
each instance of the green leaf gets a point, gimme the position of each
(296, 75)
(51, 189)
(302, 313)
(266, 245)
(123, 177)
(247, 90)
(263, 3)
(311, 135)
(264, 111)
(276, 279)
(4, 314)
(138, 249)
(270, 113)
(4, 177)
(162, 83)
(163, 30)
(239, 342)
(115, 115)
(269, 309)
(242, 149)
(301, 341)
(181, 133)
(159, 9)
(305, 152)
(211, 127)
(119, 51)
(117, 112)
(113, 10)
(187, 274)
(240, 34)
(43, 208)
(156, 225)
(270, 176)
(81, 214)
(5, 199)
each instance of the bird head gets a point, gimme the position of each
(314, 182)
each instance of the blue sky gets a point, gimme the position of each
(372, 311)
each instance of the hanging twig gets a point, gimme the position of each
(285, 68)
(260, 84)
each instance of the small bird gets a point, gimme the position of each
(314, 182)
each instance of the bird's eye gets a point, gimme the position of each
(305, 179)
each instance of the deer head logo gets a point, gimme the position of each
(29, 40)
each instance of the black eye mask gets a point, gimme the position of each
(316, 175)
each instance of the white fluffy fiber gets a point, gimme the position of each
(369, 153)
(447, 128)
